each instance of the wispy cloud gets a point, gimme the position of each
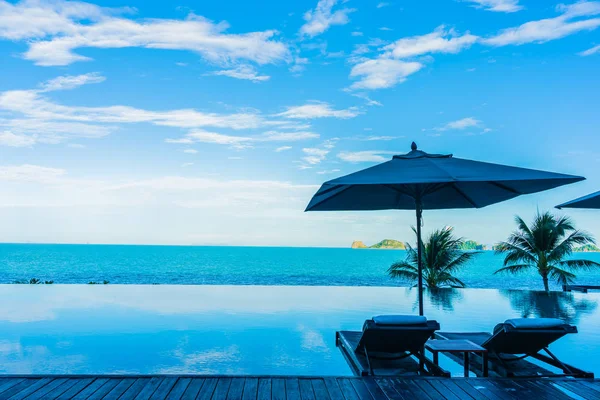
(190, 151)
(241, 142)
(323, 16)
(382, 4)
(317, 109)
(382, 73)
(246, 72)
(283, 148)
(460, 124)
(589, 52)
(326, 172)
(7, 138)
(366, 156)
(69, 82)
(54, 30)
(572, 20)
(441, 40)
(314, 155)
(506, 6)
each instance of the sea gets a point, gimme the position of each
(218, 265)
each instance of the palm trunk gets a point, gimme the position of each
(545, 278)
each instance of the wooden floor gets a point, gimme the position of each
(290, 388)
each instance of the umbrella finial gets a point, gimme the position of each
(413, 146)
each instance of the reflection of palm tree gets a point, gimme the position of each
(443, 297)
(561, 305)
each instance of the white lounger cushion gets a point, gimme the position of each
(534, 323)
(399, 320)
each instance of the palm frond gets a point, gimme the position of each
(513, 269)
(561, 276)
(579, 264)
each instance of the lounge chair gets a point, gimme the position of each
(515, 340)
(389, 345)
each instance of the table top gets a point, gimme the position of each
(453, 345)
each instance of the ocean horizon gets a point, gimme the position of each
(238, 265)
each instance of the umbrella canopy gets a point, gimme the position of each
(421, 181)
(589, 201)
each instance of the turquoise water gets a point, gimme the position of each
(237, 266)
(246, 329)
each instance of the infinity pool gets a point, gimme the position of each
(275, 330)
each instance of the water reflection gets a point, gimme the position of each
(561, 305)
(443, 299)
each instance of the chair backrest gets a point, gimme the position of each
(395, 338)
(508, 339)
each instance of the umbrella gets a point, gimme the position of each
(421, 181)
(589, 201)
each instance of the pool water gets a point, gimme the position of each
(274, 330)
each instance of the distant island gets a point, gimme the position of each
(587, 248)
(384, 244)
(470, 245)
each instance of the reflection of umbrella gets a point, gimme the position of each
(589, 201)
(420, 181)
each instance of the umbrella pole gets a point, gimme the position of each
(419, 208)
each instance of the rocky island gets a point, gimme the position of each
(384, 244)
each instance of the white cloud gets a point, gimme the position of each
(368, 101)
(318, 110)
(190, 151)
(366, 156)
(241, 142)
(245, 71)
(441, 40)
(30, 173)
(357, 33)
(322, 17)
(382, 73)
(187, 164)
(71, 82)
(507, 6)
(331, 171)
(55, 29)
(460, 124)
(76, 146)
(7, 138)
(589, 52)
(314, 155)
(544, 30)
(382, 4)
(283, 148)
(378, 138)
(385, 28)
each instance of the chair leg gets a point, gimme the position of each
(565, 369)
(368, 361)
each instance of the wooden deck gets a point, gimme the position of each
(289, 388)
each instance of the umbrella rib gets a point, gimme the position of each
(330, 197)
(504, 187)
(463, 194)
(404, 192)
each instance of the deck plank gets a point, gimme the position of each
(191, 392)
(278, 389)
(7, 383)
(121, 388)
(250, 389)
(179, 389)
(90, 389)
(174, 387)
(347, 389)
(236, 389)
(390, 391)
(320, 389)
(80, 384)
(134, 389)
(264, 389)
(208, 388)
(104, 389)
(164, 388)
(335, 393)
(33, 386)
(292, 389)
(306, 389)
(581, 390)
(38, 394)
(490, 392)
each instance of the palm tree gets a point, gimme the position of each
(441, 258)
(545, 247)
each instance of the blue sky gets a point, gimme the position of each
(215, 122)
